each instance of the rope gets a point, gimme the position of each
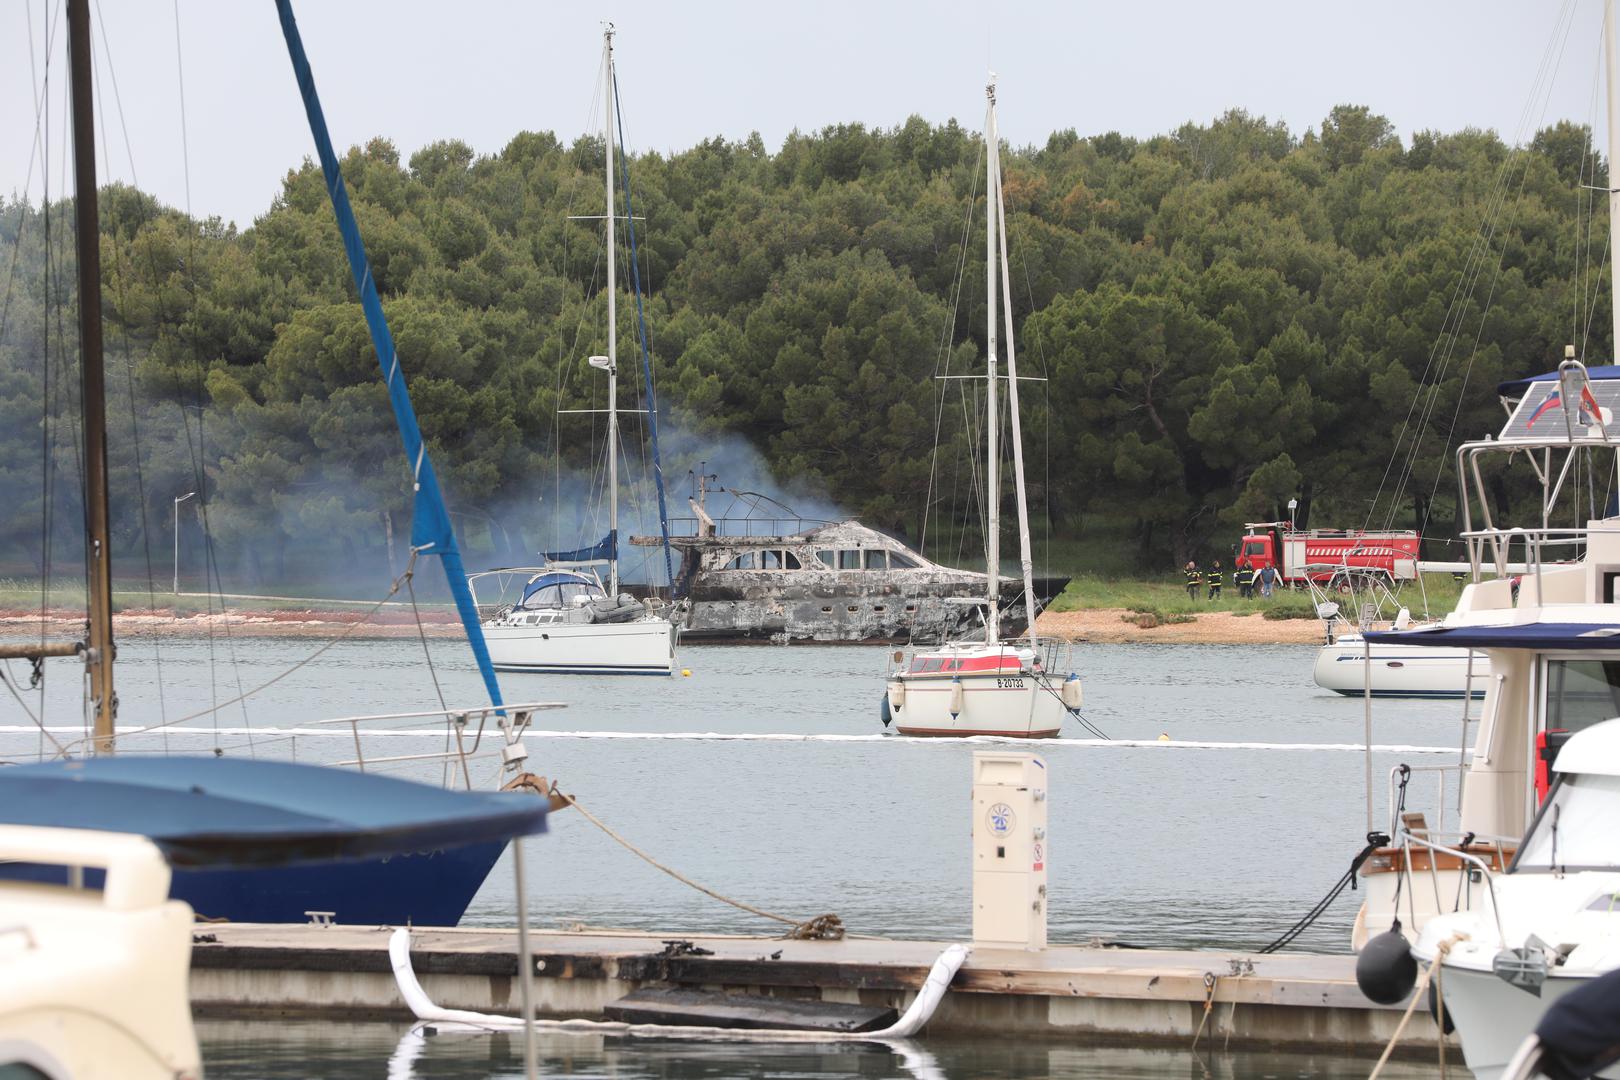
(1417, 995)
(1210, 981)
(828, 927)
(1374, 842)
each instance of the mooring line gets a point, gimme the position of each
(437, 731)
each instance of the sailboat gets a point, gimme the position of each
(565, 621)
(988, 686)
(152, 795)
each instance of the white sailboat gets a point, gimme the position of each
(565, 621)
(988, 687)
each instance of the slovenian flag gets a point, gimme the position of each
(1588, 404)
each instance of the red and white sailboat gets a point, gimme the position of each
(988, 687)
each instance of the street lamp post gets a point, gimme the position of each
(178, 499)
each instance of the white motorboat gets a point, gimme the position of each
(94, 982)
(988, 687)
(1547, 925)
(565, 622)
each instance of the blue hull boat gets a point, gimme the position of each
(269, 841)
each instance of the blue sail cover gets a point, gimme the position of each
(238, 812)
(605, 549)
(431, 532)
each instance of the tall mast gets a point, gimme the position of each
(613, 327)
(992, 550)
(98, 554)
(1611, 45)
(1026, 561)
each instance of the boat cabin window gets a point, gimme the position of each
(877, 560)
(849, 560)
(828, 558)
(745, 561)
(921, 664)
(790, 561)
(1581, 693)
(778, 560)
(898, 561)
(1575, 828)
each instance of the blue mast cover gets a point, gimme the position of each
(431, 531)
(646, 356)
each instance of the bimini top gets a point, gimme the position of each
(1536, 635)
(1514, 388)
(559, 578)
(235, 812)
(1595, 749)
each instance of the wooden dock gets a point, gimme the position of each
(1097, 994)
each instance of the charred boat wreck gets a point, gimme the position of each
(837, 582)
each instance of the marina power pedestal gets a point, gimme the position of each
(1009, 850)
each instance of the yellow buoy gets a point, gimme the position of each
(1164, 736)
(686, 673)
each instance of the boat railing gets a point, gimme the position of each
(1487, 875)
(466, 727)
(1397, 804)
(1494, 547)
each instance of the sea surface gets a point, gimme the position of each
(1156, 845)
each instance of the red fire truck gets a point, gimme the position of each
(1316, 555)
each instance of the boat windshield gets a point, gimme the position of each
(1575, 828)
(1581, 693)
(559, 593)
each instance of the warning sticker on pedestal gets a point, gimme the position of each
(1040, 856)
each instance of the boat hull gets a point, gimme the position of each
(1493, 1017)
(641, 647)
(966, 690)
(1399, 670)
(431, 888)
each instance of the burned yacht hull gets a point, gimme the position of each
(841, 582)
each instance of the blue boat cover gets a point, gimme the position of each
(605, 549)
(545, 580)
(1538, 635)
(236, 812)
(1517, 387)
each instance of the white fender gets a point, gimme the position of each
(897, 695)
(1073, 696)
(956, 696)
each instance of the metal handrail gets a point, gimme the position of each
(1487, 874)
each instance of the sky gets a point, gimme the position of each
(416, 72)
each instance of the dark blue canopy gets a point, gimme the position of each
(557, 578)
(233, 812)
(1517, 387)
(1540, 635)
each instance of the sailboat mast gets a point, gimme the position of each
(1611, 46)
(992, 483)
(613, 327)
(98, 553)
(1026, 560)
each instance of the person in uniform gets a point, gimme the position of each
(1213, 577)
(1243, 578)
(1195, 578)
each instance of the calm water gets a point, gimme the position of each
(263, 1051)
(1150, 845)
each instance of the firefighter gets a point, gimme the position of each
(1195, 578)
(1213, 577)
(1243, 578)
